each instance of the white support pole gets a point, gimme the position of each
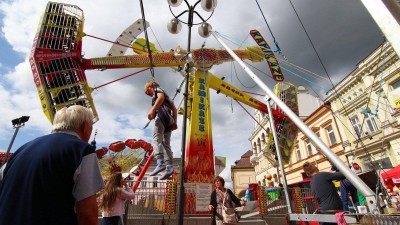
(350, 175)
(385, 21)
(278, 153)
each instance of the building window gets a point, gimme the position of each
(143, 182)
(155, 182)
(395, 84)
(355, 122)
(309, 147)
(331, 135)
(263, 142)
(298, 152)
(370, 120)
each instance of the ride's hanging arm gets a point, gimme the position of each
(127, 37)
(169, 59)
(55, 60)
(199, 154)
(285, 128)
(272, 61)
(229, 90)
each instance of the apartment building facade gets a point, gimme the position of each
(359, 121)
(367, 103)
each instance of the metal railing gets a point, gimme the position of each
(273, 202)
(151, 200)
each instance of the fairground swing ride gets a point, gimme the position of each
(59, 75)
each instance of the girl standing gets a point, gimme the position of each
(113, 198)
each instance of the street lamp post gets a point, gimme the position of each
(174, 26)
(17, 123)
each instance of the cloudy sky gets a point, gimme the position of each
(342, 33)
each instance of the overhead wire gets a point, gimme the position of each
(250, 115)
(96, 88)
(313, 84)
(156, 39)
(270, 31)
(380, 82)
(237, 77)
(147, 39)
(283, 61)
(113, 42)
(283, 68)
(273, 63)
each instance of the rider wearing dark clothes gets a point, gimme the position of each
(325, 192)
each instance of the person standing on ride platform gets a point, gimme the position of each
(54, 178)
(164, 113)
(324, 190)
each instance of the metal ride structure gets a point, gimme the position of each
(118, 156)
(58, 70)
(59, 74)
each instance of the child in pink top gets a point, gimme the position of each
(113, 198)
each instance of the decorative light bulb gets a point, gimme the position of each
(174, 26)
(205, 30)
(208, 5)
(174, 3)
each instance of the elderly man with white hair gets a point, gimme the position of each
(54, 179)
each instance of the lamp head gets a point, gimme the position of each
(174, 26)
(205, 30)
(208, 5)
(174, 3)
(20, 121)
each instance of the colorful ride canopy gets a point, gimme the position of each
(286, 130)
(57, 72)
(269, 55)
